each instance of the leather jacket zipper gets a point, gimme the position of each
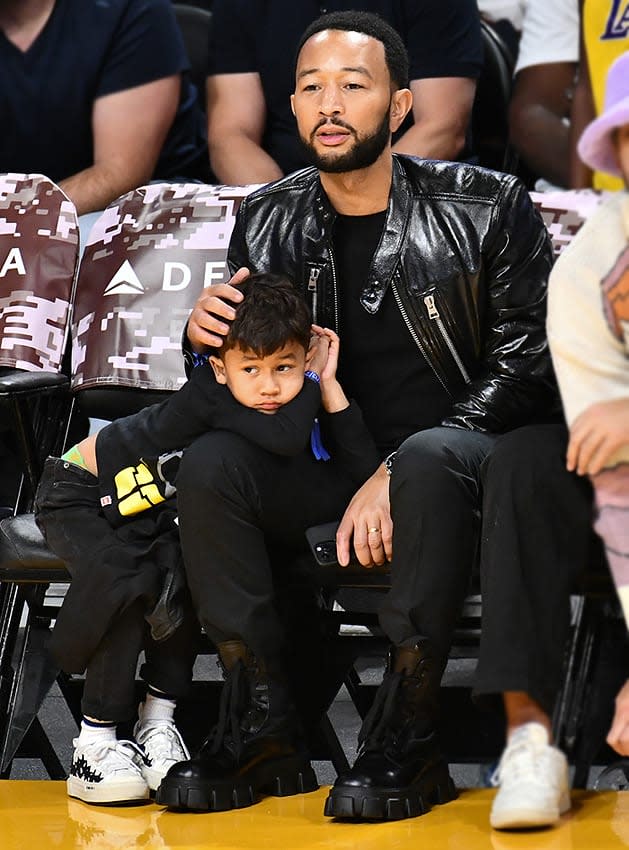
(336, 301)
(435, 316)
(312, 288)
(414, 334)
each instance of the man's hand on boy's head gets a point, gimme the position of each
(596, 435)
(206, 328)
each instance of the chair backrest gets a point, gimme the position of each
(194, 23)
(39, 244)
(565, 211)
(490, 121)
(147, 259)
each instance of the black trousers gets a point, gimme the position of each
(536, 539)
(236, 502)
(68, 513)
(456, 497)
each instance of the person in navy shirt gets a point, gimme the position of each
(94, 94)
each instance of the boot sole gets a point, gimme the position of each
(279, 778)
(350, 802)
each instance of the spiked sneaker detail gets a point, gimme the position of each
(107, 773)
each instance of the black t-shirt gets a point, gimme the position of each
(88, 49)
(442, 38)
(380, 365)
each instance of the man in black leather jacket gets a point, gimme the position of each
(434, 274)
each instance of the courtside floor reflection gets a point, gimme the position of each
(38, 814)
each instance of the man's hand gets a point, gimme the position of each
(205, 326)
(618, 737)
(596, 435)
(368, 521)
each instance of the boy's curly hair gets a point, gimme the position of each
(271, 314)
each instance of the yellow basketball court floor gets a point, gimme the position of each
(39, 815)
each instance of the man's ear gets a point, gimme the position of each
(292, 103)
(401, 104)
(219, 369)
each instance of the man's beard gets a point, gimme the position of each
(364, 153)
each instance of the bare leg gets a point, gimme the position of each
(520, 708)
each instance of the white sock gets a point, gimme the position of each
(96, 733)
(157, 709)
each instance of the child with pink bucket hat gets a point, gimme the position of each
(588, 331)
(599, 144)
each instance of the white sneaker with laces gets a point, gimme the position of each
(162, 745)
(533, 781)
(104, 772)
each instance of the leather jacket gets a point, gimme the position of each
(467, 258)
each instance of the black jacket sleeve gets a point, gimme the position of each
(350, 444)
(516, 381)
(199, 406)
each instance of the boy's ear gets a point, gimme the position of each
(219, 369)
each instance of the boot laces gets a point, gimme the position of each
(378, 726)
(230, 711)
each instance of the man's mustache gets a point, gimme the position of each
(333, 122)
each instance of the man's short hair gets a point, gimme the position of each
(271, 314)
(367, 23)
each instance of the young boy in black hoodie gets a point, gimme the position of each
(268, 382)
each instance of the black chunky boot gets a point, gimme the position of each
(255, 748)
(400, 770)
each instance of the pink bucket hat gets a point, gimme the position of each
(596, 147)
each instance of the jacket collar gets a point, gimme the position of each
(388, 252)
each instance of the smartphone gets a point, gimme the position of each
(322, 542)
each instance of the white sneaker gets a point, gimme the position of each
(533, 779)
(162, 745)
(107, 772)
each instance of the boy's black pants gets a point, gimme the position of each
(114, 585)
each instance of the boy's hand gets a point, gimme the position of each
(367, 521)
(332, 362)
(596, 435)
(317, 356)
(332, 396)
(205, 326)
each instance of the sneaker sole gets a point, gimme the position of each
(349, 802)
(154, 777)
(280, 778)
(523, 818)
(110, 794)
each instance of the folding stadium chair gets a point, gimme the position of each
(38, 258)
(490, 122)
(147, 259)
(194, 23)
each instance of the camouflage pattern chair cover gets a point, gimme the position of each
(147, 259)
(39, 244)
(564, 212)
